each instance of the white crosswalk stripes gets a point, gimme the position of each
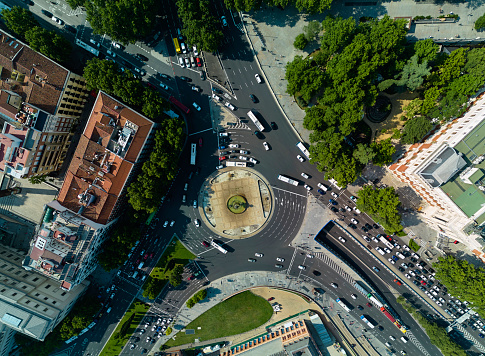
(323, 257)
(469, 337)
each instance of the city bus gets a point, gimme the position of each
(218, 246)
(342, 304)
(193, 152)
(178, 104)
(255, 120)
(177, 45)
(303, 149)
(287, 180)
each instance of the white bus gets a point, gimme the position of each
(364, 319)
(287, 180)
(193, 153)
(343, 305)
(235, 164)
(218, 246)
(255, 120)
(303, 149)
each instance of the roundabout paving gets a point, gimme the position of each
(236, 202)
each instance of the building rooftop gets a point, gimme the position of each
(442, 167)
(37, 79)
(104, 159)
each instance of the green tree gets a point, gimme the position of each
(74, 4)
(110, 17)
(426, 50)
(338, 33)
(312, 30)
(48, 43)
(381, 205)
(303, 78)
(300, 42)
(383, 152)
(19, 20)
(412, 75)
(415, 129)
(176, 275)
(38, 179)
(413, 108)
(480, 23)
(363, 153)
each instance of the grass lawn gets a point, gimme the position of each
(413, 245)
(243, 312)
(114, 346)
(175, 251)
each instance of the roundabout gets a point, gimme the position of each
(236, 202)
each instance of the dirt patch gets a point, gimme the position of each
(384, 130)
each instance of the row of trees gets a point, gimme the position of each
(200, 27)
(437, 334)
(381, 205)
(200, 295)
(463, 280)
(310, 6)
(22, 22)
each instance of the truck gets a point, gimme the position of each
(376, 302)
(383, 239)
(364, 319)
(218, 246)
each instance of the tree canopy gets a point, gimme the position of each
(415, 129)
(125, 21)
(19, 20)
(48, 43)
(381, 205)
(310, 6)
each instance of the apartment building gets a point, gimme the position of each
(30, 303)
(447, 171)
(40, 101)
(115, 143)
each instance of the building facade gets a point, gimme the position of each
(40, 101)
(114, 145)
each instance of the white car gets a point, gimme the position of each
(307, 187)
(243, 152)
(223, 134)
(353, 296)
(216, 97)
(309, 256)
(253, 160)
(407, 276)
(333, 194)
(300, 158)
(181, 62)
(341, 239)
(280, 259)
(257, 254)
(230, 106)
(302, 267)
(57, 20)
(353, 221)
(378, 249)
(387, 250)
(348, 208)
(116, 45)
(165, 224)
(392, 338)
(356, 210)
(406, 247)
(194, 88)
(195, 204)
(196, 222)
(266, 146)
(197, 107)
(187, 62)
(258, 78)
(412, 273)
(196, 52)
(306, 176)
(391, 260)
(243, 158)
(234, 145)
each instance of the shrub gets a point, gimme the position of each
(300, 42)
(414, 246)
(480, 23)
(168, 331)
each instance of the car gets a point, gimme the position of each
(364, 229)
(401, 269)
(353, 296)
(333, 202)
(278, 265)
(307, 187)
(141, 57)
(251, 260)
(57, 20)
(333, 194)
(224, 21)
(142, 331)
(230, 106)
(341, 239)
(273, 125)
(258, 78)
(481, 335)
(387, 250)
(196, 223)
(302, 267)
(70, 29)
(407, 276)
(205, 244)
(234, 145)
(280, 259)
(354, 221)
(216, 97)
(112, 296)
(47, 13)
(321, 191)
(360, 307)
(300, 158)
(197, 107)
(353, 226)
(187, 62)
(185, 79)
(423, 283)
(367, 225)
(304, 175)
(198, 62)
(266, 146)
(257, 254)
(164, 86)
(348, 208)
(403, 353)
(369, 305)
(404, 265)
(194, 88)
(255, 161)
(253, 98)
(391, 260)
(356, 210)
(222, 158)
(258, 134)
(316, 273)
(334, 285)
(222, 147)
(172, 223)
(243, 158)
(151, 86)
(142, 72)
(365, 238)
(412, 273)
(334, 209)
(165, 224)
(376, 269)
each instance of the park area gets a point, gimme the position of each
(238, 314)
(125, 328)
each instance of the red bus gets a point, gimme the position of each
(179, 105)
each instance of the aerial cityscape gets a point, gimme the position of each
(257, 178)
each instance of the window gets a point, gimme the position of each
(54, 302)
(36, 279)
(45, 298)
(14, 294)
(46, 309)
(47, 286)
(37, 294)
(63, 294)
(27, 302)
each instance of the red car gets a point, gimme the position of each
(151, 255)
(200, 142)
(205, 244)
(456, 242)
(222, 158)
(423, 283)
(270, 299)
(146, 256)
(191, 277)
(199, 62)
(369, 305)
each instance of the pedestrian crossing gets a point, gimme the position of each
(469, 337)
(326, 259)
